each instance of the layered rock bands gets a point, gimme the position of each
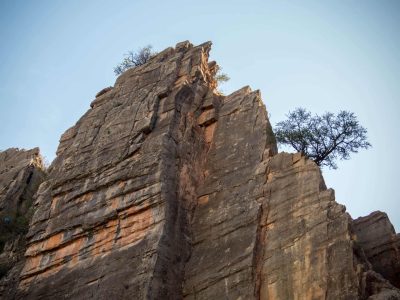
(167, 189)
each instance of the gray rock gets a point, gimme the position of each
(381, 245)
(21, 173)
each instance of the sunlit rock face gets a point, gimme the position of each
(167, 189)
(112, 221)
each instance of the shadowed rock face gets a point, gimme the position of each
(166, 189)
(381, 245)
(21, 173)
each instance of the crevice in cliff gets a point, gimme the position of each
(182, 169)
(183, 172)
(258, 255)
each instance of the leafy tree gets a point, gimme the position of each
(325, 138)
(135, 59)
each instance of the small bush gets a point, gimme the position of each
(221, 77)
(135, 59)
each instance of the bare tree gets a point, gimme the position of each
(135, 59)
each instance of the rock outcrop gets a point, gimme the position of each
(167, 189)
(21, 173)
(381, 245)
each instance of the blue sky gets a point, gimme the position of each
(322, 55)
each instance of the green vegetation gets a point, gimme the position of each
(221, 77)
(324, 139)
(135, 59)
(144, 54)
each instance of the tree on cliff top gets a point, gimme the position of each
(135, 59)
(324, 139)
(143, 55)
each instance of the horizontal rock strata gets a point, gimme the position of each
(111, 222)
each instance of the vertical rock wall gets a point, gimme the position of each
(21, 173)
(377, 238)
(225, 222)
(166, 189)
(305, 244)
(111, 222)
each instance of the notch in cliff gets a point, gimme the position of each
(166, 189)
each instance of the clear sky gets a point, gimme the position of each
(322, 55)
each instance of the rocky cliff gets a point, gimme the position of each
(21, 173)
(376, 235)
(166, 189)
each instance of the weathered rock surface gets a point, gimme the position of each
(306, 250)
(21, 173)
(226, 219)
(381, 245)
(166, 189)
(112, 220)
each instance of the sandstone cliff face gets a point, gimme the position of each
(166, 189)
(381, 245)
(112, 220)
(21, 173)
